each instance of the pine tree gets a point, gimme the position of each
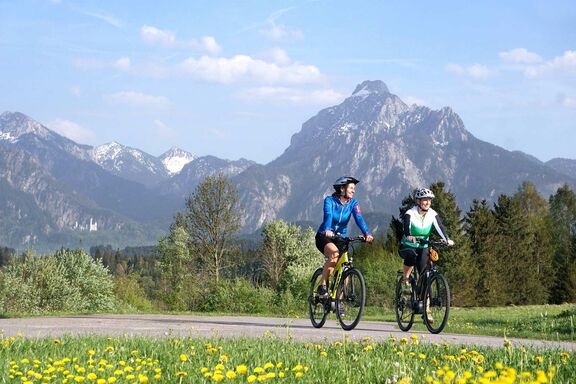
(460, 268)
(538, 270)
(482, 229)
(563, 213)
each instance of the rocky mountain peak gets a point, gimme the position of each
(175, 159)
(16, 124)
(370, 87)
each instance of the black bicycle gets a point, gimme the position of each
(346, 289)
(430, 295)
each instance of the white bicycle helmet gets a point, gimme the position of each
(422, 193)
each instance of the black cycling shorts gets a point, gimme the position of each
(321, 241)
(414, 256)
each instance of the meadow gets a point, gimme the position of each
(406, 360)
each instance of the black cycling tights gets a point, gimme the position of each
(414, 257)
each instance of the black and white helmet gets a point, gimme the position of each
(344, 180)
(422, 193)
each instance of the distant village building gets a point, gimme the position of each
(90, 227)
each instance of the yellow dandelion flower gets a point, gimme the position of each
(112, 379)
(271, 375)
(219, 367)
(281, 375)
(181, 374)
(25, 361)
(204, 370)
(258, 370)
(368, 348)
(101, 381)
(224, 358)
(130, 377)
(421, 356)
(241, 369)
(403, 341)
(538, 359)
(79, 379)
(297, 368)
(142, 379)
(299, 374)
(499, 365)
(57, 341)
(323, 353)
(218, 377)
(279, 365)
(251, 378)
(231, 374)
(268, 365)
(183, 357)
(91, 376)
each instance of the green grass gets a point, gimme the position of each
(548, 322)
(184, 360)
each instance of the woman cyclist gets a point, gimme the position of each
(417, 224)
(338, 208)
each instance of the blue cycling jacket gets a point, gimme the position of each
(337, 216)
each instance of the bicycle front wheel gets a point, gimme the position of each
(437, 303)
(318, 306)
(350, 299)
(404, 307)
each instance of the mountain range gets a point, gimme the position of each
(55, 192)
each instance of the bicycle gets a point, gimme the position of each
(346, 290)
(430, 295)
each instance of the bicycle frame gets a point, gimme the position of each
(334, 279)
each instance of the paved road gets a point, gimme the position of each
(200, 326)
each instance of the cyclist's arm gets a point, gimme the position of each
(406, 227)
(327, 222)
(440, 228)
(357, 213)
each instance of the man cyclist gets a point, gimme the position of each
(338, 208)
(417, 224)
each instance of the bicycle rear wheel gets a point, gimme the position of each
(318, 306)
(404, 307)
(436, 303)
(350, 299)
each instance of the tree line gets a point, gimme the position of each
(519, 250)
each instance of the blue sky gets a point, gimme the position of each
(238, 78)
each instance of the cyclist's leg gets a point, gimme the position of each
(327, 247)
(331, 254)
(409, 255)
(423, 255)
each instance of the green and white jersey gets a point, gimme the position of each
(421, 226)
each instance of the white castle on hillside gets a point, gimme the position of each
(91, 227)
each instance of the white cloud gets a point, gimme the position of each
(164, 130)
(280, 32)
(138, 99)
(156, 36)
(293, 96)
(72, 130)
(123, 64)
(477, 71)
(566, 101)
(153, 35)
(279, 56)
(246, 68)
(520, 55)
(108, 19)
(565, 64)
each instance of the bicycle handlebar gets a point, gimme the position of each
(348, 239)
(437, 243)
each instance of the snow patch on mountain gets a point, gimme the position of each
(175, 159)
